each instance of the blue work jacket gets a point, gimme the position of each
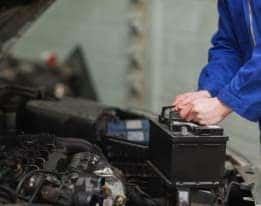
(233, 73)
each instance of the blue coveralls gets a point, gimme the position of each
(233, 73)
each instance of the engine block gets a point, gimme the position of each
(46, 169)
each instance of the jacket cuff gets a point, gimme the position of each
(227, 97)
(212, 89)
(209, 84)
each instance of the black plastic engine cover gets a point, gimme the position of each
(69, 117)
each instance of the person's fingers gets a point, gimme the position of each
(195, 112)
(198, 118)
(195, 119)
(188, 100)
(173, 102)
(190, 116)
(202, 122)
(195, 96)
(180, 107)
(176, 108)
(184, 112)
(179, 98)
(185, 101)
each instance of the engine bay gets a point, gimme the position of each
(97, 155)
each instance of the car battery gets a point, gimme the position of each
(186, 154)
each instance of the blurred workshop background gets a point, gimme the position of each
(140, 53)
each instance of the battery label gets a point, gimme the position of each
(130, 130)
(136, 136)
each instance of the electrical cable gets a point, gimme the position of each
(26, 176)
(36, 191)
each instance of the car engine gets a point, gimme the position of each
(47, 169)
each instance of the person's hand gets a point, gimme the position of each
(206, 111)
(184, 99)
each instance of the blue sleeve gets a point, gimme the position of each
(224, 57)
(243, 93)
